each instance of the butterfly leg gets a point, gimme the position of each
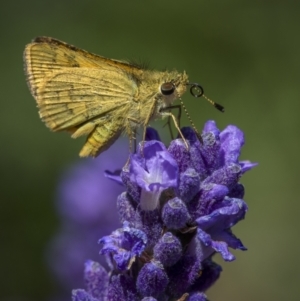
(168, 123)
(146, 124)
(169, 114)
(179, 107)
(131, 132)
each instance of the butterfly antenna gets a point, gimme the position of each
(216, 105)
(197, 91)
(191, 121)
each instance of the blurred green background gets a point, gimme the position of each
(244, 53)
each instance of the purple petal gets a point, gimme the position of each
(232, 140)
(213, 228)
(190, 135)
(161, 172)
(162, 169)
(222, 248)
(114, 175)
(247, 165)
(232, 211)
(96, 279)
(151, 148)
(211, 126)
(227, 175)
(213, 191)
(124, 245)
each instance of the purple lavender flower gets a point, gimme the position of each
(177, 212)
(124, 245)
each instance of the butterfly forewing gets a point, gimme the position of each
(78, 91)
(73, 96)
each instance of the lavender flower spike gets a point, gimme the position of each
(178, 211)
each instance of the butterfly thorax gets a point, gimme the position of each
(149, 99)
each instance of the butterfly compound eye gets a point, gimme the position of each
(167, 88)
